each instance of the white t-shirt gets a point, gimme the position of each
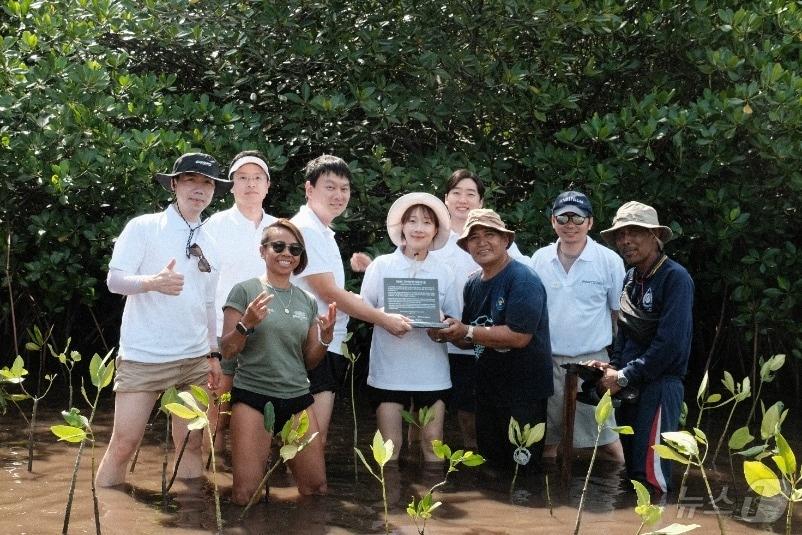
(412, 362)
(158, 327)
(238, 242)
(462, 265)
(581, 300)
(324, 257)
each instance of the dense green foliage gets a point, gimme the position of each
(686, 105)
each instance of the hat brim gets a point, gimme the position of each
(573, 210)
(467, 230)
(664, 233)
(221, 186)
(403, 203)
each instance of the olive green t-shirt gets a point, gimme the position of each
(272, 361)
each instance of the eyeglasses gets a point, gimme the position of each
(278, 247)
(203, 264)
(563, 219)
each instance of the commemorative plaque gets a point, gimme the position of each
(417, 299)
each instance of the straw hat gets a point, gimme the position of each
(637, 214)
(403, 203)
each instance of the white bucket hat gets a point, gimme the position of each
(637, 214)
(403, 203)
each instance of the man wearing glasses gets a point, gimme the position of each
(583, 281)
(166, 265)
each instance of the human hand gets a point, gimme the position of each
(609, 380)
(257, 310)
(396, 324)
(455, 331)
(326, 323)
(360, 262)
(215, 377)
(166, 281)
(598, 364)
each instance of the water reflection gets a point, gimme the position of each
(475, 501)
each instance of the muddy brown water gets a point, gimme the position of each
(475, 501)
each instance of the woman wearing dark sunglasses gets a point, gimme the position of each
(273, 329)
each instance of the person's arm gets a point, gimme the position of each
(319, 336)
(166, 281)
(360, 262)
(233, 341)
(497, 336)
(324, 286)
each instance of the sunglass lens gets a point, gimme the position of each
(296, 249)
(278, 246)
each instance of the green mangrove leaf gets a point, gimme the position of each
(761, 479)
(624, 430)
(682, 441)
(740, 438)
(674, 529)
(513, 431)
(604, 409)
(379, 449)
(729, 382)
(189, 401)
(796, 495)
(288, 451)
(408, 418)
(700, 436)
(769, 426)
(649, 514)
(787, 455)
(666, 452)
(269, 416)
(535, 434)
(472, 459)
(74, 418)
(303, 424)
(198, 423)
(713, 398)
(31, 346)
(169, 396)
(425, 416)
(644, 498)
(181, 411)
(364, 462)
(68, 433)
(200, 395)
(441, 450)
(754, 451)
(700, 394)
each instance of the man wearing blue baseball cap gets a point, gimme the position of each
(167, 267)
(583, 281)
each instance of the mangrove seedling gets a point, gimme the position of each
(683, 447)
(603, 412)
(79, 429)
(768, 371)
(193, 407)
(651, 514)
(219, 401)
(422, 510)
(523, 439)
(738, 393)
(352, 359)
(382, 453)
(419, 421)
(16, 375)
(68, 359)
(764, 481)
(770, 427)
(293, 440)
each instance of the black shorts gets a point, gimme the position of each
(406, 398)
(329, 375)
(284, 408)
(463, 380)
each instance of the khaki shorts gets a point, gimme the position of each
(585, 417)
(159, 376)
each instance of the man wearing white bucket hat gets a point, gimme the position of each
(653, 344)
(413, 370)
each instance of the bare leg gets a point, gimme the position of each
(131, 414)
(550, 451)
(467, 425)
(388, 417)
(323, 407)
(309, 466)
(250, 446)
(433, 431)
(612, 452)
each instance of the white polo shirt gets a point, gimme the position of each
(324, 257)
(238, 242)
(412, 362)
(581, 300)
(462, 265)
(157, 327)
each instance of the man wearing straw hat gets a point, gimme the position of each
(653, 343)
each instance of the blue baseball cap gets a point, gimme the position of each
(572, 202)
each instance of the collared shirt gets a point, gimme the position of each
(157, 327)
(581, 300)
(238, 241)
(324, 257)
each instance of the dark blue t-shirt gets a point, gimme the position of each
(515, 297)
(668, 293)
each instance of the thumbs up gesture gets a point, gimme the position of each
(166, 281)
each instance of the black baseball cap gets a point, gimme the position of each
(195, 162)
(572, 202)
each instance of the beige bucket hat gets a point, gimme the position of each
(637, 214)
(484, 217)
(403, 203)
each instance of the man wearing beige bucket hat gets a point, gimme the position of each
(653, 344)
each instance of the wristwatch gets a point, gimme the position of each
(215, 355)
(622, 380)
(469, 335)
(243, 330)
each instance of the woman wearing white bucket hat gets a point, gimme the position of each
(653, 342)
(411, 370)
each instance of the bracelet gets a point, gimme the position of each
(320, 338)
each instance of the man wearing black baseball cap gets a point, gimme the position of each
(167, 266)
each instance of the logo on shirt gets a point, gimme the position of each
(483, 321)
(500, 303)
(300, 315)
(596, 283)
(647, 300)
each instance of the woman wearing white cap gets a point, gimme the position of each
(412, 370)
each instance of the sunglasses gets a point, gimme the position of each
(196, 251)
(278, 247)
(563, 219)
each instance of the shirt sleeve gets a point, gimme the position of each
(121, 282)
(372, 284)
(317, 261)
(130, 247)
(674, 330)
(237, 299)
(617, 273)
(450, 305)
(526, 303)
